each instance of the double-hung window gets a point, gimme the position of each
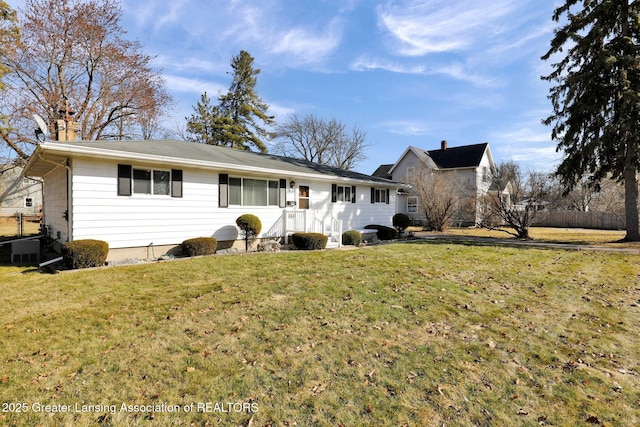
(412, 204)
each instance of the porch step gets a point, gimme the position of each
(332, 245)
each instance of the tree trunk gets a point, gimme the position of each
(631, 199)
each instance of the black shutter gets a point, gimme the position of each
(176, 182)
(223, 190)
(124, 180)
(334, 193)
(282, 193)
(387, 196)
(353, 194)
(373, 195)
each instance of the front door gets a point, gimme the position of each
(303, 197)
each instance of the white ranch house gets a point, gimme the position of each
(146, 197)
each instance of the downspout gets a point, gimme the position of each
(69, 199)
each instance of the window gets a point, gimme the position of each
(412, 205)
(303, 197)
(149, 181)
(343, 193)
(142, 181)
(253, 192)
(379, 195)
(161, 182)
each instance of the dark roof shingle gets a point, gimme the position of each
(222, 155)
(458, 157)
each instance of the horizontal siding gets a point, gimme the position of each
(353, 215)
(55, 203)
(140, 220)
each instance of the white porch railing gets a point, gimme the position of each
(306, 220)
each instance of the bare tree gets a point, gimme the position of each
(73, 52)
(515, 200)
(439, 194)
(607, 196)
(327, 142)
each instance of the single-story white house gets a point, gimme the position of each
(146, 197)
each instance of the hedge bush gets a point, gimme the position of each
(200, 246)
(309, 241)
(250, 223)
(85, 253)
(351, 237)
(383, 232)
(401, 222)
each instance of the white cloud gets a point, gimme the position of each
(527, 143)
(423, 27)
(460, 72)
(406, 127)
(456, 71)
(306, 46)
(364, 63)
(190, 85)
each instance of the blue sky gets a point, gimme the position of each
(407, 72)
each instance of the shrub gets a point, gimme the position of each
(351, 237)
(309, 241)
(250, 226)
(401, 222)
(85, 253)
(383, 232)
(200, 246)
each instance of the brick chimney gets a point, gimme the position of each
(65, 127)
(443, 145)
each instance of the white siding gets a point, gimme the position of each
(353, 215)
(139, 220)
(55, 203)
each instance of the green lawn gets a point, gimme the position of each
(415, 334)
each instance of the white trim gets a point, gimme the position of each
(99, 153)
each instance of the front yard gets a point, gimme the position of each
(415, 334)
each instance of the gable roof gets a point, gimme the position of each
(383, 171)
(465, 156)
(49, 155)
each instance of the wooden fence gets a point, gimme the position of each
(576, 219)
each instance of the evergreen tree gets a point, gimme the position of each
(234, 121)
(206, 124)
(244, 107)
(596, 96)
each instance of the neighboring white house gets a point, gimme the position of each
(18, 194)
(468, 167)
(146, 197)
